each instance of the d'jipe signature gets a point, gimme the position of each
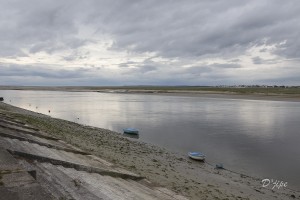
(274, 183)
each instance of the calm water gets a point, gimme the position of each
(255, 137)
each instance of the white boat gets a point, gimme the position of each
(196, 155)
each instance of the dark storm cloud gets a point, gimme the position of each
(172, 29)
(169, 28)
(38, 26)
(197, 28)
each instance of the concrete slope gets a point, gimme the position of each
(52, 169)
(16, 183)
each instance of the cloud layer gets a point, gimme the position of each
(149, 42)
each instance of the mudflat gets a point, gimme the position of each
(195, 180)
(273, 94)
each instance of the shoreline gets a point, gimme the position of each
(172, 170)
(262, 97)
(185, 93)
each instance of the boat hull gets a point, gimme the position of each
(196, 156)
(131, 131)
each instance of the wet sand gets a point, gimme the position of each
(196, 180)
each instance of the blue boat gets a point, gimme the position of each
(196, 155)
(132, 131)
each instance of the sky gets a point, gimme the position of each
(149, 42)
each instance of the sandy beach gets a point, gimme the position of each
(195, 180)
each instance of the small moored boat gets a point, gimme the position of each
(196, 155)
(132, 131)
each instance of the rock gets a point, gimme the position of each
(180, 159)
(1, 99)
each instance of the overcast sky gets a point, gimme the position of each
(149, 42)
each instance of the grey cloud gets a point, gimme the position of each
(198, 70)
(225, 66)
(185, 31)
(197, 28)
(51, 46)
(146, 68)
(127, 64)
(141, 69)
(291, 49)
(258, 60)
(13, 70)
(76, 55)
(38, 26)
(235, 60)
(210, 68)
(285, 80)
(168, 28)
(148, 65)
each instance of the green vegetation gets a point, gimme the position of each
(43, 124)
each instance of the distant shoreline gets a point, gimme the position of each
(209, 92)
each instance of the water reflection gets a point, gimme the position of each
(256, 137)
(135, 136)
